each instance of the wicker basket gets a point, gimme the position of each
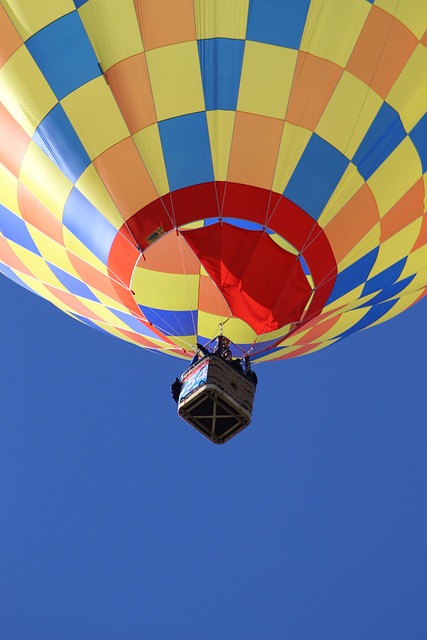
(216, 398)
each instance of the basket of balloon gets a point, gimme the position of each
(216, 398)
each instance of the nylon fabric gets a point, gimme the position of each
(285, 141)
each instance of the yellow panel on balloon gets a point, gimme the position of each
(92, 187)
(274, 335)
(409, 93)
(368, 242)
(24, 90)
(95, 116)
(332, 28)
(39, 288)
(348, 114)
(292, 145)
(266, 81)
(176, 80)
(8, 190)
(221, 125)
(109, 302)
(347, 299)
(398, 173)
(52, 251)
(416, 262)
(346, 321)
(287, 246)
(221, 18)
(74, 245)
(412, 13)
(113, 30)
(45, 180)
(417, 284)
(349, 184)
(29, 16)
(396, 247)
(38, 267)
(235, 329)
(175, 292)
(186, 343)
(106, 315)
(150, 148)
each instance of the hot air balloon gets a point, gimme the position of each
(171, 166)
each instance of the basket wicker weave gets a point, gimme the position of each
(216, 398)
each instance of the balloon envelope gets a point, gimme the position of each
(170, 165)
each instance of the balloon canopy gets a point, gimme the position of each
(170, 165)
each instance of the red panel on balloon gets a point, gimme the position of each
(263, 284)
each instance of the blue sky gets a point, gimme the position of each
(119, 522)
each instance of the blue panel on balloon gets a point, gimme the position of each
(389, 292)
(89, 323)
(279, 22)
(316, 176)
(221, 65)
(418, 136)
(79, 3)
(353, 276)
(9, 273)
(383, 136)
(89, 225)
(15, 229)
(72, 284)
(384, 279)
(374, 314)
(56, 136)
(187, 151)
(174, 323)
(242, 224)
(134, 324)
(64, 54)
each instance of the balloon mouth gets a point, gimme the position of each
(197, 269)
(263, 284)
(233, 272)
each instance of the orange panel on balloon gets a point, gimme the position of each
(10, 40)
(130, 84)
(352, 223)
(165, 22)
(314, 83)
(33, 212)
(211, 299)
(171, 255)
(126, 178)
(405, 211)
(422, 236)
(318, 330)
(8, 257)
(382, 50)
(254, 149)
(73, 303)
(13, 142)
(94, 278)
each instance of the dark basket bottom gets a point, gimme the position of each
(213, 415)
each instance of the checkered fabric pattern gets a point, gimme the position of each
(125, 125)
